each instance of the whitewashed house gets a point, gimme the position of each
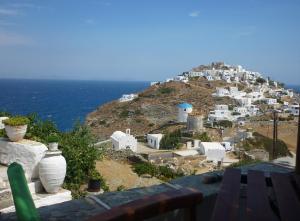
(220, 112)
(127, 97)
(252, 109)
(294, 109)
(213, 151)
(121, 140)
(183, 111)
(154, 140)
(181, 78)
(221, 92)
(271, 101)
(244, 101)
(243, 111)
(255, 96)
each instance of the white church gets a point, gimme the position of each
(121, 140)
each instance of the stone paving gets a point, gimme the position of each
(85, 208)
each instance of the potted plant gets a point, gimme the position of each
(52, 140)
(94, 181)
(16, 127)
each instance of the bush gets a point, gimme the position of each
(224, 123)
(166, 90)
(162, 172)
(124, 114)
(203, 137)
(260, 141)
(39, 130)
(260, 80)
(81, 155)
(170, 140)
(4, 114)
(16, 121)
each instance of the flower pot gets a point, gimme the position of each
(52, 171)
(53, 146)
(15, 133)
(94, 185)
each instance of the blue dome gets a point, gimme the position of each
(184, 105)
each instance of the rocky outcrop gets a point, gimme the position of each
(25, 152)
(154, 107)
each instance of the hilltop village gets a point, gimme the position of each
(211, 116)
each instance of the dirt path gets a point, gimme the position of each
(118, 173)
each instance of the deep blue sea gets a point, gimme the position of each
(61, 101)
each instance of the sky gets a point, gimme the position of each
(147, 40)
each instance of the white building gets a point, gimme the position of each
(121, 140)
(219, 114)
(243, 111)
(154, 140)
(244, 101)
(183, 111)
(213, 151)
(221, 92)
(271, 101)
(128, 97)
(181, 79)
(294, 109)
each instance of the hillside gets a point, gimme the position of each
(153, 108)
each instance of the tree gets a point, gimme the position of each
(170, 140)
(260, 80)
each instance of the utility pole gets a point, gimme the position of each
(297, 169)
(275, 134)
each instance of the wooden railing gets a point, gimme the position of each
(155, 205)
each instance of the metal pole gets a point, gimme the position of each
(274, 135)
(297, 169)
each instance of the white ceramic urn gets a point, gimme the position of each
(15, 133)
(52, 171)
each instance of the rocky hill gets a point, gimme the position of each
(154, 107)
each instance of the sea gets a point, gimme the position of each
(61, 101)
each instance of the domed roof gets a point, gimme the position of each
(184, 105)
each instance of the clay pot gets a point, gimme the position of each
(53, 146)
(15, 133)
(52, 171)
(94, 185)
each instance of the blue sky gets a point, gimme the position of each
(147, 39)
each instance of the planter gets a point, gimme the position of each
(53, 146)
(94, 185)
(52, 171)
(15, 133)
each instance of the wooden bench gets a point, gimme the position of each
(253, 197)
(151, 206)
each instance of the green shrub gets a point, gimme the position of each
(260, 141)
(124, 114)
(52, 138)
(102, 122)
(260, 80)
(162, 172)
(224, 123)
(171, 140)
(166, 90)
(16, 121)
(203, 137)
(94, 175)
(40, 130)
(81, 155)
(4, 114)
(120, 188)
